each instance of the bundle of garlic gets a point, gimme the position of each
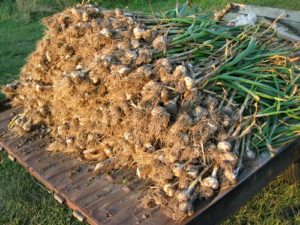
(151, 93)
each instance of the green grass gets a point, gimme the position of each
(24, 201)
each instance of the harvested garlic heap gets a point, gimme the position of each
(95, 82)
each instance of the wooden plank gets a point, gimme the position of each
(73, 178)
(116, 196)
(4, 105)
(104, 201)
(287, 15)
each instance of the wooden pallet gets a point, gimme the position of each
(108, 199)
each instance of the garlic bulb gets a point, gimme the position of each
(211, 181)
(94, 78)
(85, 17)
(226, 121)
(169, 189)
(105, 165)
(69, 141)
(147, 35)
(108, 151)
(193, 171)
(164, 63)
(38, 88)
(149, 147)
(186, 207)
(224, 146)
(250, 154)
(138, 33)
(27, 126)
(130, 55)
(78, 67)
(119, 13)
(184, 195)
(135, 44)
(230, 175)
(200, 112)
(180, 71)
(229, 157)
(123, 70)
(159, 111)
(128, 136)
(171, 106)
(227, 110)
(178, 169)
(142, 172)
(211, 102)
(189, 82)
(160, 43)
(106, 33)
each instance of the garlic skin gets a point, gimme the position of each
(77, 75)
(60, 130)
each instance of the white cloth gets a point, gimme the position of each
(243, 20)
